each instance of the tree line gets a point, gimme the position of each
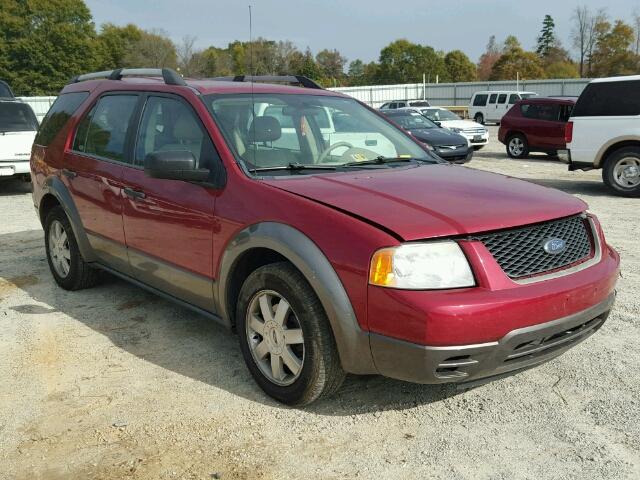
(45, 42)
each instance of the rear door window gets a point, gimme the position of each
(609, 99)
(480, 100)
(493, 98)
(103, 132)
(502, 98)
(514, 98)
(58, 116)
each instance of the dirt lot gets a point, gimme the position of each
(115, 383)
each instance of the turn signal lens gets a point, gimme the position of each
(381, 272)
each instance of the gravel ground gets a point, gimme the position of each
(116, 383)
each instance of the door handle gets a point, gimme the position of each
(69, 173)
(134, 194)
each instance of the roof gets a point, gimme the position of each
(562, 100)
(626, 78)
(204, 86)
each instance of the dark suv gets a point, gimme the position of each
(328, 250)
(536, 125)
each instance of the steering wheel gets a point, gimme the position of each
(323, 156)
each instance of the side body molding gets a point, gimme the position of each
(54, 186)
(352, 341)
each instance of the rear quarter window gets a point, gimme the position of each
(609, 99)
(58, 116)
(480, 100)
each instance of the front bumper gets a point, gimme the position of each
(476, 140)
(519, 349)
(13, 167)
(460, 155)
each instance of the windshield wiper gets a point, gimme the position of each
(292, 167)
(385, 160)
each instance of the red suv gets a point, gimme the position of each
(330, 240)
(536, 125)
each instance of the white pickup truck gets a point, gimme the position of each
(604, 133)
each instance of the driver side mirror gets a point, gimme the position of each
(174, 165)
(438, 123)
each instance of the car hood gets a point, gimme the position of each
(434, 200)
(438, 136)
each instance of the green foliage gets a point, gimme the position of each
(117, 43)
(459, 67)
(562, 70)
(405, 62)
(44, 43)
(516, 61)
(547, 39)
(153, 49)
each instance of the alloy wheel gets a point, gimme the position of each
(626, 172)
(516, 146)
(59, 249)
(275, 337)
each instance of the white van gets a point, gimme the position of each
(491, 106)
(18, 126)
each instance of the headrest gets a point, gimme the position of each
(265, 129)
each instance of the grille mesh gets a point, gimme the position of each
(520, 252)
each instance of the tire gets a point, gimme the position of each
(517, 146)
(78, 274)
(479, 118)
(621, 172)
(319, 373)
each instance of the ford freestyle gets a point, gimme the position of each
(350, 249)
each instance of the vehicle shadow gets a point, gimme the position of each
(592, 188)
(500, 156)
(13, 186)
(176, 339)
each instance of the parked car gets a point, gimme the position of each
(475, 133)
(604, 133)
(536, 125)
(492, 106)
(380, 259)
(446, 144)
(403, 104)
(5, 90)
(18, 126)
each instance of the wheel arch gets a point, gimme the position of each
(611, 147)
(266, 242)
(56, 193)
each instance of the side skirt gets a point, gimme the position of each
(160, 293)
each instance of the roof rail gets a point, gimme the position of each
(170, 76)
(291, 79)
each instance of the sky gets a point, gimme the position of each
(357, 28)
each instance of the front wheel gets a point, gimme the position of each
(285, 336)
(517, 146)
(621, 172)
(479, 118)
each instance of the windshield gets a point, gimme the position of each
(307, 130)
(17, 117)
(413, 121)
(438, 115)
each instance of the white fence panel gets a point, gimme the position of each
(451, 94)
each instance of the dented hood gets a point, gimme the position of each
(434, 200)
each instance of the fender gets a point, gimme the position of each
(54, 186)
(599, 158)
(301, 251)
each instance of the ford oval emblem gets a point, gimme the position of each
(554, 246)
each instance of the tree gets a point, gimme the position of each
(44, 43)
(331, 64)
(612, 54)
(459, 67)
(305, 64)
(562, 70)
(584, 35)
(489, 58)
(405, 62)
(547, 39)
(154, 49)
(215, 62)
(116, 43)
(516, 62)
(188, 60)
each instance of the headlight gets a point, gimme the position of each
(421, 266)
(455, 130)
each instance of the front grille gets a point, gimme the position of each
(474, 131)
(520, 252)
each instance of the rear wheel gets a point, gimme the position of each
(67, 266)
(479, 118)
(517, 146)
(621, 172)
(285, 337)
